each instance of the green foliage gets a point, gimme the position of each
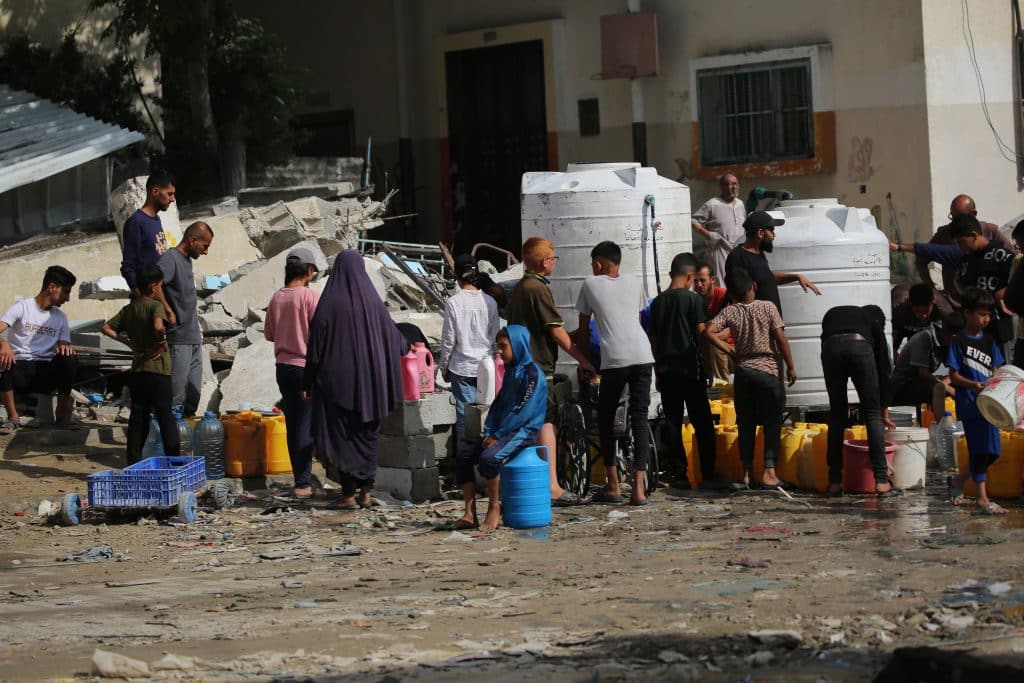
(250, 87)
(101, 89)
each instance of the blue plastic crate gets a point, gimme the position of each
(153, 482)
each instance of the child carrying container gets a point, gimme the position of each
(973, 358)
(512, 425)
(140, 327)
(287, 325)
(757, 329)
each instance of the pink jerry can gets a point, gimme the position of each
(411, 376)
(426, 368)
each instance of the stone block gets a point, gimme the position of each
(229, 345)
(104, 289)
(417, 485)
(253, 379)
(254, 289)
(421, 417)
(415, 452)
(216, 319)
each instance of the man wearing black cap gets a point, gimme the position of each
(760, 230)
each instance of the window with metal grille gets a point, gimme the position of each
(756, 112)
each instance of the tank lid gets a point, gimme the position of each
(822, 201)
(600, 166)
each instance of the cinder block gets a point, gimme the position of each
(422, 450)
(416, 485)
(422, 416)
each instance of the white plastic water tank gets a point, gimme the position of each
(590, 203)
(843, 252)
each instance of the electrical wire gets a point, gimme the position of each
(968, 34)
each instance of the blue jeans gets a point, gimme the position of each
(464, 390)
(297, 414)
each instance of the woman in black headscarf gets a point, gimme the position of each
(353, 375)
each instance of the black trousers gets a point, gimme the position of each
(41, 376)
(613, 381)
(677, 392)
(854, 359)
(151, 393)
(760, 399)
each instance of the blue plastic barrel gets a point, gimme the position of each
(525, 494)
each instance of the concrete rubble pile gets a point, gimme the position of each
(251, 245)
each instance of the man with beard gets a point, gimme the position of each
(750, 256)
(185, 339)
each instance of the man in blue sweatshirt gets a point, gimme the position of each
(143, 237)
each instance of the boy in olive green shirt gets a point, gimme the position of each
(140, 326)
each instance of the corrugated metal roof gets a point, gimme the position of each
(39, 138)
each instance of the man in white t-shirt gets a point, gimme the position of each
(719, 221)
(616, 302)
(37, 356)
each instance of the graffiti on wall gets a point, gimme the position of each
(859, 168)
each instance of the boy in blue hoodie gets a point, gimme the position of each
(512, 425)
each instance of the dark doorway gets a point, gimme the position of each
(497, 130)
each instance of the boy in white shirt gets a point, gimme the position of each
(37, 356)
(616, 301)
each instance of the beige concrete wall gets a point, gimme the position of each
(966, 156)
(878, 82)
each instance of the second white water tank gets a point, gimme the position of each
(843, 252)
(590, 203)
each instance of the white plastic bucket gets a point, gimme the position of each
(1002, 401)
(909, 462)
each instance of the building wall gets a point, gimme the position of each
(881, 126)
(78, 194)
(966, 153)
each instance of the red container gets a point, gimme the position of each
(411, 376)
(858, 476)
(426, 368)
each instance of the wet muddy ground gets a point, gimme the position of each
(682, 589)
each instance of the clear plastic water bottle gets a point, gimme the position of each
(208, 444)
(154, 446)
(184, 435)
(950, 432)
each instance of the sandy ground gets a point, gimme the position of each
(672, 591)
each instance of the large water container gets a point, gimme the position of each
(843, 252)
(208, 444)
(525, 490)
(590, 203)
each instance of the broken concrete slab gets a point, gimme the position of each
(216, 319)
(208, 375)
(309, 170)
(209, 398)
(105, 288)
(253, 379)
(254, 289)
(231, 246)
(261, 196)
(429, 323)
(229, 346)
